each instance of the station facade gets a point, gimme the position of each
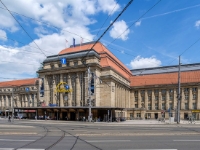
(61, 90)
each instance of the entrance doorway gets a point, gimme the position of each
(72, 116)
(156, 115)
(186, 116)
(64, 115)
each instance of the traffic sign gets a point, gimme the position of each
(27, 89)
(63, 61)
(67, 87)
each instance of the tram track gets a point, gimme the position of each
(64, 132)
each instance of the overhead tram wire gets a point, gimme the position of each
(186, 49)
(107, 17)
(135, 21)
(22, 27)
(26, 45)
(47, 24)
(107, 29)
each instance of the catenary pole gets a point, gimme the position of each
(12, 106)
(179, 92)
(89, 94)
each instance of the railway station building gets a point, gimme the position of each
(61, 90)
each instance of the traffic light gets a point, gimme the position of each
(92, 83)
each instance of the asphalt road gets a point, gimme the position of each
(57, 135)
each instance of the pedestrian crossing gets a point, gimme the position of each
(20, 149)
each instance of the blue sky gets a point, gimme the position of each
(156, 39)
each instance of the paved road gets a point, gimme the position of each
(57, 135)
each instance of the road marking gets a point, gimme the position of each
(147, 149)
(29, 149)
(99, 141)
(20, 149)
(14, 140)
(186, 140)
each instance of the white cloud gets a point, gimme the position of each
(138, 23)
(109, 6)
(68, 15)
(3, 35)
(197, 24)
(141, 62)
(119, 30)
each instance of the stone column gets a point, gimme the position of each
(124, 98)
(132, 99)
(2, 103)
(159, 100)
(167, 99)
(54, 92)
(118, 98)
(175, 100)
(190, 99)
(46, 92)
(61, 94)
(146, 99)
(70, 93)
(153, 100)
(198, 97)
(115, 95)
(139, 99)
(78, 91)
(120, 101)
(182, 99)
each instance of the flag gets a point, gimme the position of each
(81, 41)
(74, 42)
(66, 42)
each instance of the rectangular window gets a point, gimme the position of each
(163, 91)
(156, 97)
(142, 91)
(52, 66)
(142, 98)
(186, 89)
(194, 96)
(136, 99)
(156, 106)
(186, 106)
(156, 91)
(75, 63)
(131, 116)
(170, 105)
(194, 105)
(136, 105)
(186, 96)
(171, 97)
(138, 115)
(163, 106)
(149, 91)
(149, 98)
(194, 89)
(163, 97)
(171, 90)
(59, 65)
(149, 106)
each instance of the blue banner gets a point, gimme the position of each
(53, 105)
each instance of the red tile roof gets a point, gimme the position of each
(107, 58)
(167, 78)
(18, 82)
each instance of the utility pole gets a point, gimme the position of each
(12, 106)
(89, 93)
(179, 92)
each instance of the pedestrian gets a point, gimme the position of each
(9, 117)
